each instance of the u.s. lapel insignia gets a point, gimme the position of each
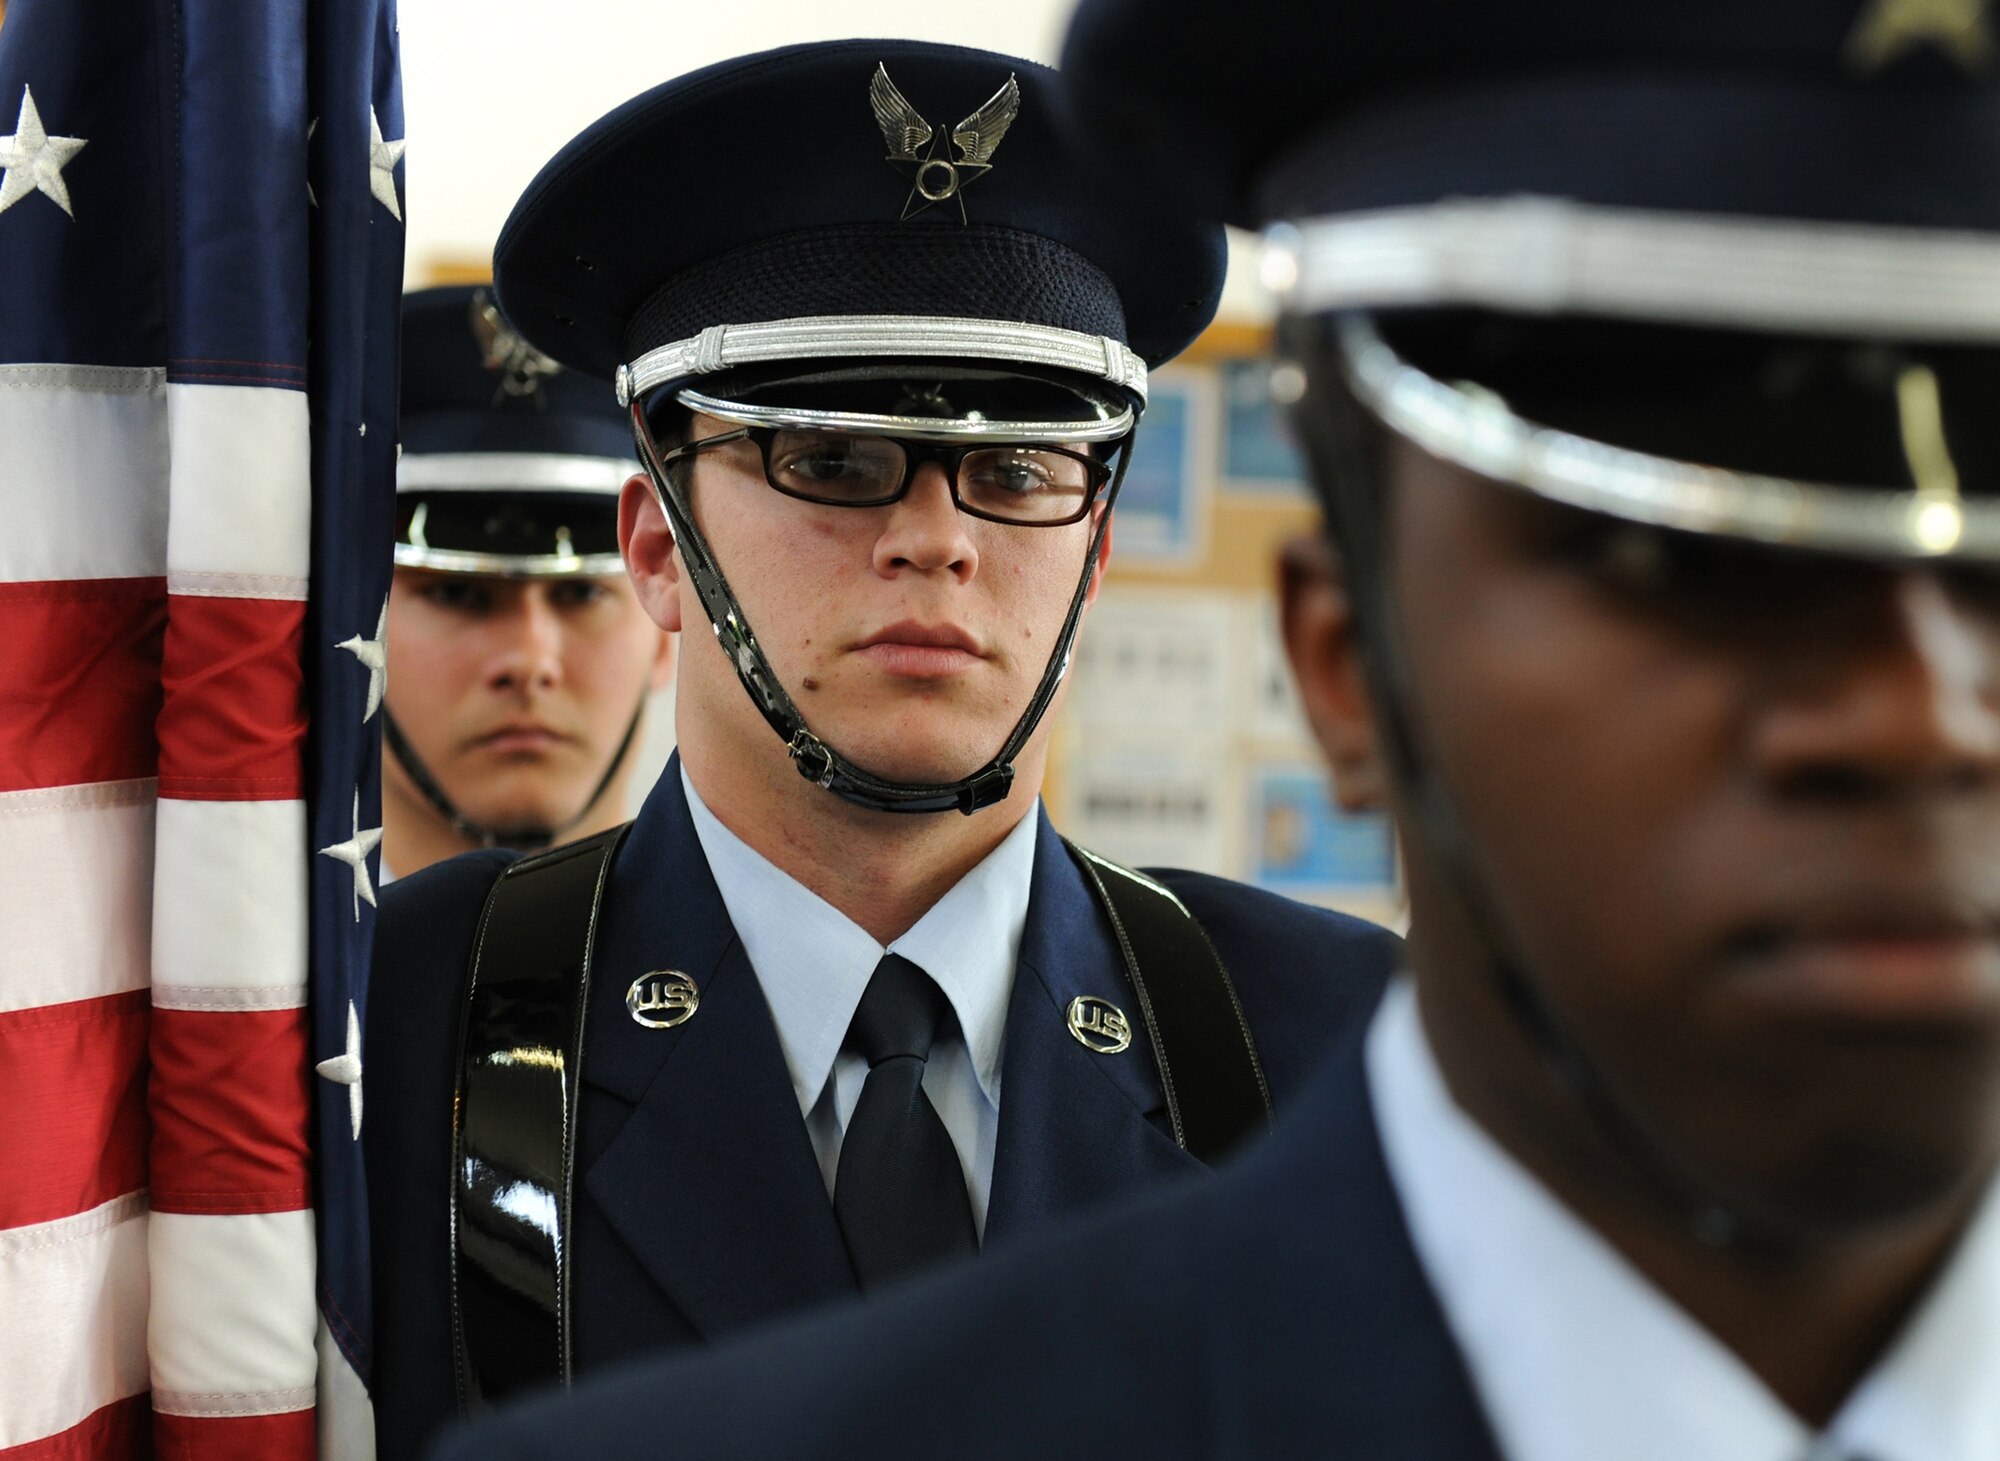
(520, 366)
(913, 142)
(662, 999)
(1099, 1025)
(1886, 29)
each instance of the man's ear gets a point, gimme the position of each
(647, 542)
(1098, 565)
(1320, 640)
(663, 662)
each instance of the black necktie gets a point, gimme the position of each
(899, 1194)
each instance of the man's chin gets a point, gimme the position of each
(1847, 1191)
(525, 819)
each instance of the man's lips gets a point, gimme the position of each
(1885, 965)
(521, 738)
(923, 651)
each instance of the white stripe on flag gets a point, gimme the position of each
(229, 896)
(233, 1315)
(235, 585)
(242, 483)
(72, 1318)
(227, 999)
(267, 1402)
(73, 902)
(83, 452)
(346, 1419)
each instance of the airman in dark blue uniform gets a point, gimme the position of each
(520, 663)
(1643, 357)
(854, 1007)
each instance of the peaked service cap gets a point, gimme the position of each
(510, 464)
(762, 190)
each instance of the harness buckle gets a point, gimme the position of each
(815, 761)
(985, 789)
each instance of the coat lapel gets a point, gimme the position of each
(1075, 1127)
(1338, 1330)
(710, 1179)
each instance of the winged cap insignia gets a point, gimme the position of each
(1961, 29)
(520, 366)
(913, 142)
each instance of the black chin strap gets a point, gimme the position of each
(520, 839)
(1356, 507)
(818, 762)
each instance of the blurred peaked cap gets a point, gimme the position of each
(510, 464)
(470, 385)
(1700, 265)
(761, 189)
(1853, 111)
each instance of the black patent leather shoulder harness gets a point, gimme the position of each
(514, 1119)
(1209, 1070)
(520, 1055)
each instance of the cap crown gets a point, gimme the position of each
(767, 187)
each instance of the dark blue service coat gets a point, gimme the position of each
(1277, 1311)
(700, 1205)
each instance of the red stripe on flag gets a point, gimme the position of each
(234, 722)
(121, 1431)
(79, 680)
(229, 1107)
(234, 1437)
(73, 1125)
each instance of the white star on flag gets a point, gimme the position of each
(354, 852)
(374, 653)
(344, 1069)
(382, 160)
(34, 160)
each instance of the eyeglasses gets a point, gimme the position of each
(1028, 485)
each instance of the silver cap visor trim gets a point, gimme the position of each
(509, 471)
(917, 428)
(510, 565)
(1475, 429)
(830, 337)
(1533, 255)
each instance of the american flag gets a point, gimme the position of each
(200, 256)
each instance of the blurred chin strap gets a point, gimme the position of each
(518, 838)
(1357, 513)
(818, 762)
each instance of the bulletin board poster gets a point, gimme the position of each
(1276, 717)
(1149, 662)
(1162, 506)
(1259, 455)
(1164, 806)
(1304, 845)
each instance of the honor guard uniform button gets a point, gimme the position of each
(662, 999)
(1099, 1025)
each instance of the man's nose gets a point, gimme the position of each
(926, 531)
(1907, 700)
(530, 649)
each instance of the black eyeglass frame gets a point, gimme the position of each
(916, 454)
(815, 760)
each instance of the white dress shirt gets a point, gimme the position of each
(1578, 1357)
(813, 962)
